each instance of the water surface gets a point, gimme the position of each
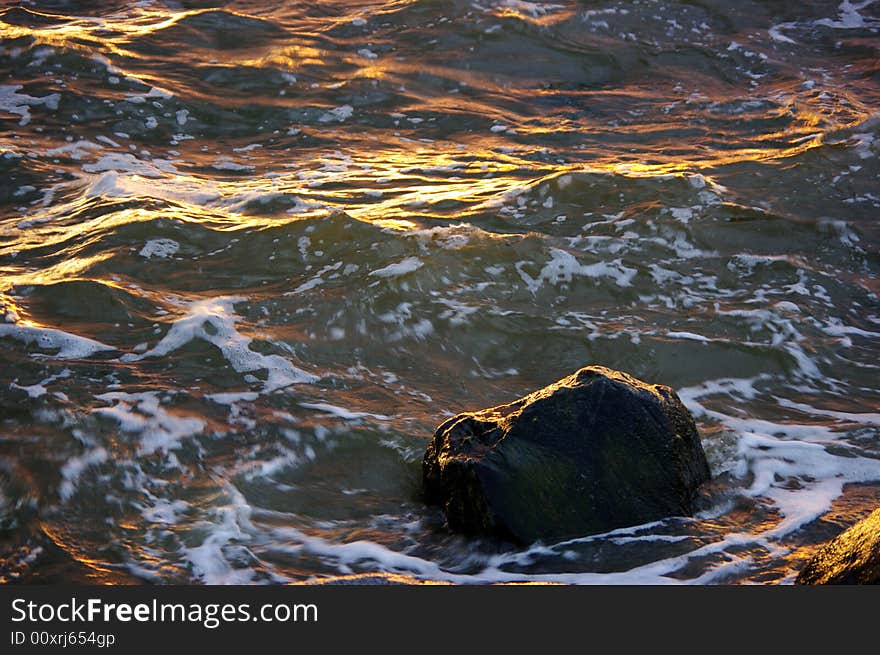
(252, 253)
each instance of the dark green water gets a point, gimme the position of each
(252, 253)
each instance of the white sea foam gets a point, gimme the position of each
(848, 16)
(76, 149)
(226, 164)
(339, 114)
(821, 476)
(209, 562)
(128, 163)
(155, 93)
(159, 248)
(267, 469)
(40, 389)
(533, 9)
(772, 453)
(32, 390)
(563, 266)
(691, 336)
(401, 317)
(13, 102)
(450, 237)
(775, 32)
(775, 452)
(116, 184)
(69, 346)
(457, 313)
(361, 553)
(74, 467)
(157, 428)
(404, 266)
(228, 528)
(315, 281)
(232, 397)
(341, 412)
(164, 511)
(861, 418)
(769, 459)
(683, 214)
(214, 321)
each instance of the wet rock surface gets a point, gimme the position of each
(595, 451)
(853, 557)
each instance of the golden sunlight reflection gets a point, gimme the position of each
(98, 572)
(389, 187)
(397, 189)
(70, 269)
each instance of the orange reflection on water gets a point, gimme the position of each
(384, 176)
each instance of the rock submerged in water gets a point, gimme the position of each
(596, 451)
(853, 557)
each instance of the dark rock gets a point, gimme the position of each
(851, 558)
(595, 451)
